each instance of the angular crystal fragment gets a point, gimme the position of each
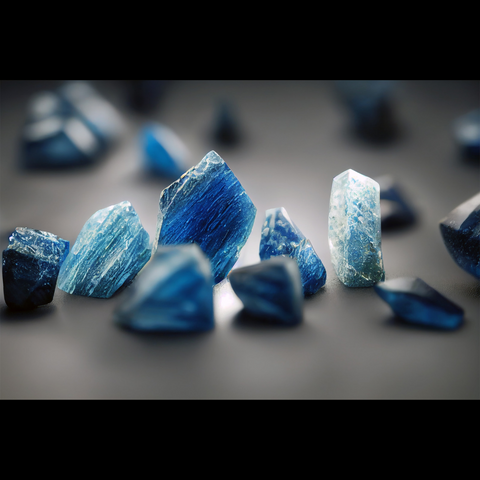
(207, 206)
(461, 234)
(110, 250)
(30, 267)
(270, 290)
(416, 302)
(354, 231)
(173, 293)
(466, 130)
(280, 236)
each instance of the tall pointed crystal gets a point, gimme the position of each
(207, 205)
(354, 230)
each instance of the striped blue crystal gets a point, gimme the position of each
(208, 206)
(173, 293)
(270, 290)
(30, 267)
(417, 302)
(110, 250)
(280, 236)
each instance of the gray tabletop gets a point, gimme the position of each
(296, 139)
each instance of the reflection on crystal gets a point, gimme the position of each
(467, 134)
(354, 232)
(416, 302)
(173, 293)
(270, 290)
(461, 234)
(30, 267)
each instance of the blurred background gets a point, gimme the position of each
(285, 141)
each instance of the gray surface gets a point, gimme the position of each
(296, 141)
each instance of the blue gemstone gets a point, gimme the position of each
(164, 152)
(270, 290)
(208, 206)
(461, 234)
(395, 209)
(30, 267)
(416, 302)
(173, 293)
(280, 236)
(226, 129)
(466, 130)
(110, 250)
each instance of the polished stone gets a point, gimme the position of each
(270, 290)
(207, 206)
(30, 267)
(461, 234)
(417, 302)
(466, 130)
(354, 230)
(174, 292)
(280, 236)
(164, 152)
(110, 250)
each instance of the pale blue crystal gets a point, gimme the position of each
(174, 292)
(207, 206)
(280, 236)
(110, 250)
(354, 230)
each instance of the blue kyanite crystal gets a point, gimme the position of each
(164, 153)
(280, 236)
(354, 230)
(271, 290)
(30, 267)
(461, 235)
(173, 293)
(208, 206)
(395, 210)
(466, 130)
(416, 302)
(110, 250)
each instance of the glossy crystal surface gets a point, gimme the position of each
(417, 302)
(461, 234)
(30, 267)
(280, 236)
(207, 206)
(173, 293)
(110, 250)
(270, 290)
(354, 230)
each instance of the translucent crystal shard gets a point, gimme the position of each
(30, 267)
(207, 206)
(110, 250)
(280, 236)
(461, 234)
(270, 290)
(416, 302)
(354, 231)
(466, 130)
(173, 293)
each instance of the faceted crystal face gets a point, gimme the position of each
(30, 267)
(110, 250)
(280, 236)
(173, 293)
(416, 302)
(354, 230)
(461, 234)
(207, 206)
(270, 290)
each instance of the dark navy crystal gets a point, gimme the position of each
(207, 206)
(416, 302)
(467, 134)
(280, 236)
(461, 234)
(173, 293)
(226, 128)
(30, 267)
(270, 290)
(164, 153)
